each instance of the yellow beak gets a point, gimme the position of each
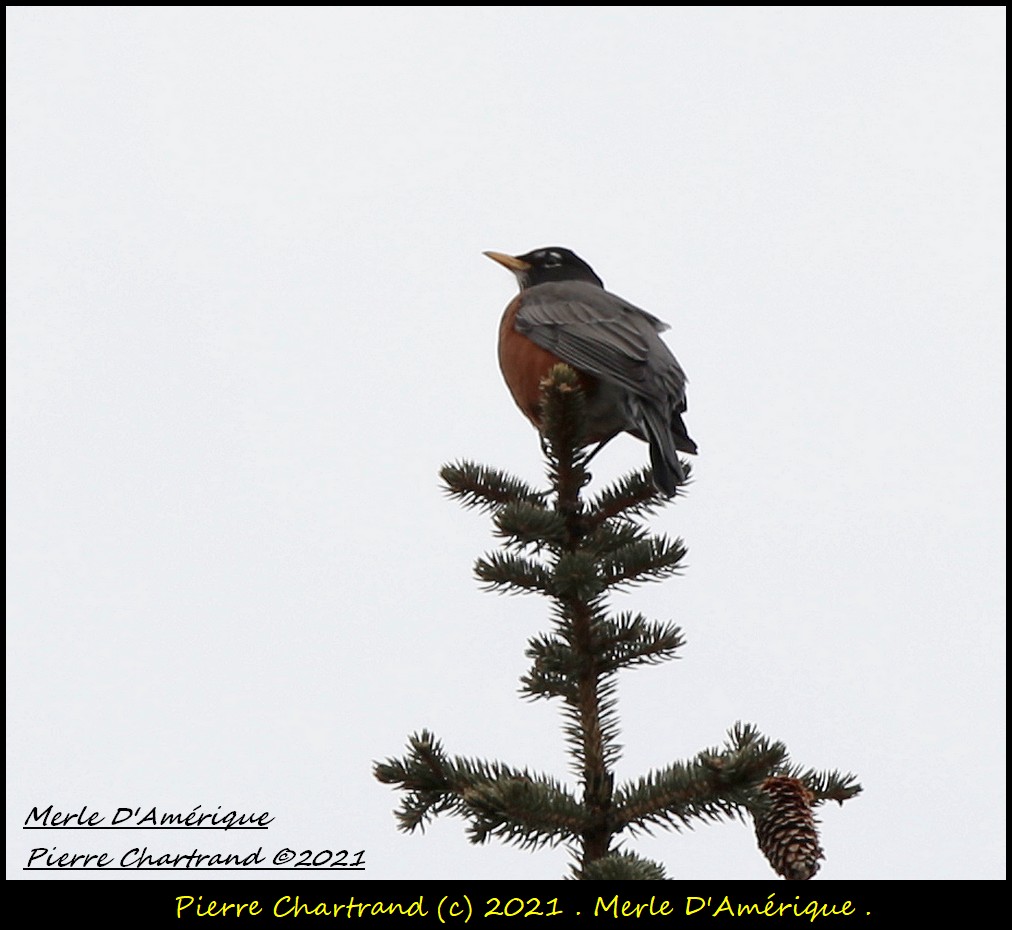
(508, 261)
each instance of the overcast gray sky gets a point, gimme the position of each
(249, 318)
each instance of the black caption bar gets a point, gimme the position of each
(175, 902)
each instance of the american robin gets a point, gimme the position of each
(630, 378)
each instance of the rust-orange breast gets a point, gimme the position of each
(524, 364)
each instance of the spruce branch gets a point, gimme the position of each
(633, 495)
(512, 574)
(563, 409)
(712, 786)
(718, 783)
(622, 866)
(554, 669)
(522, 524)
(576, 578)
(482, 488)
(610, 537)
(523, 812)
(630, 640)
(650, 559)
(825, 786)
(486, 794)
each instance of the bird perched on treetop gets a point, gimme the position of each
(631, 380)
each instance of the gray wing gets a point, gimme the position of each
(603, 335)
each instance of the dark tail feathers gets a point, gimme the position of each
(667, 436)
